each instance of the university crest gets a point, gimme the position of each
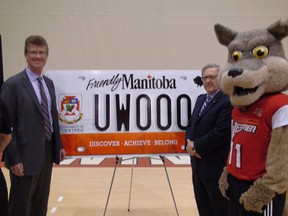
(70, 108)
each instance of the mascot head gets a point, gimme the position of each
(256, 62)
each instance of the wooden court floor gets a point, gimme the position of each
(83, 191)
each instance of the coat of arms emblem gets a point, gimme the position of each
(70, 108)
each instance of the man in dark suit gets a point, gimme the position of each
(208, 140)
(36, 144)
(5, 138)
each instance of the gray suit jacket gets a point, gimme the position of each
(28, 138)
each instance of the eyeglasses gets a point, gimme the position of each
(35, 53)
(205, 78)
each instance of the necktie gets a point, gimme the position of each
(208, 98)
(44, 107)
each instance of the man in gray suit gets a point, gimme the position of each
(36, 144)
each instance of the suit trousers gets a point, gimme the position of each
(29, 194)
(3, 195)
(209, 199)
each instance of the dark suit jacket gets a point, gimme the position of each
(211, 133)
(28, 139)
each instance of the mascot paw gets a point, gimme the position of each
(223, 183)
(256, 197)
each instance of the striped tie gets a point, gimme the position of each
(45, 113)
(208, 98)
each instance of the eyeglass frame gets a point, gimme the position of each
(36, 53)
(205, 78)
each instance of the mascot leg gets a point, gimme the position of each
(285, 212)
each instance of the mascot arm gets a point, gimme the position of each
(276, 178)
(223, 183)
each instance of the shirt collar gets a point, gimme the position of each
(32, 76)
(212, 95)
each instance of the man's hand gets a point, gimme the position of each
(62, 154)
(17, 170)
(191, 150)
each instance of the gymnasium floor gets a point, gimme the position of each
(81, 188)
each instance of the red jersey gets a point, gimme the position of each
(251, 134)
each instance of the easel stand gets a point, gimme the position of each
(131, 181)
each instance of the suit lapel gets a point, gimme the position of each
(50, 89)
(211, 103)
(200, 103)
(28, 86)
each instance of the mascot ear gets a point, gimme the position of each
(279, 29)
(224, 35)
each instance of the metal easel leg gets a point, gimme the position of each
(132, 171)
(171, 190)
(116, 163)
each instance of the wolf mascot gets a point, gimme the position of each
(256, 176)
